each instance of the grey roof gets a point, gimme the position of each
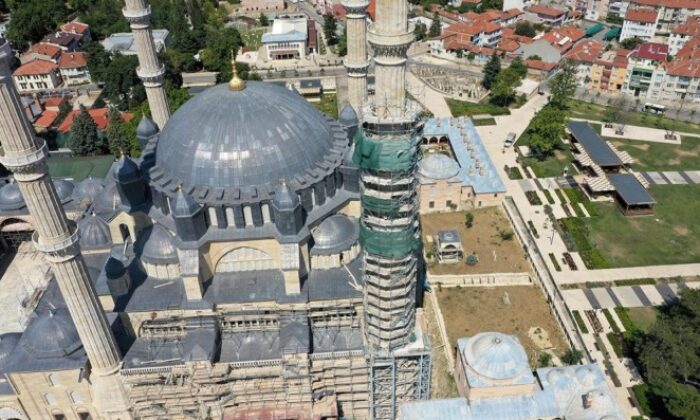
(196, 344)
(126, 170)
(438, 166)
(250, 345)
(88, 189)
(64, 189)
(8, 342)
(448, 236)
(630, 190)
(114, 268)
(11, 197)
(310, 83)
(285, 197)
(246, 286)
(295, 336)
(156, 246)
(247, 138)
(595, 146)
(146, 128)
(184, 205)
(348, 116)
(328, 339)
(108, 200)
(94, 233)
(52, 334)
(494, 355)
(447, 409)
(335, 234)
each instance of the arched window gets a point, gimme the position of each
(124, 230)
(245, 259)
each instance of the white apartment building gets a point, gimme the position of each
(639, 23)
(36, 76)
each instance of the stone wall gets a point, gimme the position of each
(480, 280)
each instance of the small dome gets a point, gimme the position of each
(438, 166)
(335, 234)
(348, 116)
(496, 356)
(157, 246)
(114, 268)
(52, 334)
(88, 189)
(127, 170)
(285, 197)
(94, 233)
(108, 199)
(8, 342)
(146, 128)
(11, 197)
(64, 189)
(184, 205)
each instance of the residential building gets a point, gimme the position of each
(66, 41)
(479, 33)
(670, 12)
(511, 16)
(639, 23)
(592, 9)
(36, 76)
(643, 61)
(563, 38)
(99, 115)
(608, 73)
(682, 33)
(292, 37)
(41, 51)
(584, 54)
(123, 42)
(679, 79)
(78, 28)
(541, 49)
(74, 68)
(549, 15)
(255, 7)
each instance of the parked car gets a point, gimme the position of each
(510, 139)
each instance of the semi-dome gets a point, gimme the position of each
(438, 166)
(8, 342)
(157, 246)
(64, 189)
(335, 234)
(249, 138)
(496, 356)
(108, 199)
(52, 334)
(11, 196)
(94, 233)
(88, 189)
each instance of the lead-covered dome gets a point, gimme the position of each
(496, 356)
(336, 233)
(248, 138)
(438, 166)
(52, 334)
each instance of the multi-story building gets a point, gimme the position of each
(584, 54)
(41, 51)
(678, 81)
(639, 23)
(36, 76)
(670, 12)
(549, 15)
(78, 28)
(74, 68)
(609, 71)
(643, 61)
(292, 37)
(682, 33)
(67, 41)
(480, 33)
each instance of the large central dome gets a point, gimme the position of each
(253, 137)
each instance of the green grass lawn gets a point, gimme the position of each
(643, 317)
(662, 157)
(670, 236)
(328, 104)
(79, 168)
(586, 110)
(459, 108)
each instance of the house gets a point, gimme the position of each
(255, 7)
(74, 68)
(563, 38)
(608, 73)
(639, 23)
(678, 80)
(123, 42)
(41, 51)
(479, 33)
(583, 55)
(99, 115)
(66, 41)
(540, 49)
(643, 61)
(36, 76)
(670, 12)
(548, 15)
(292, 37)
(682, 33)
(511, 16)
(78, 28)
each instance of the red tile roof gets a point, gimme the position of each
(585, 52)
(686, 63)
(472, 29)
(691, 27)
(44, 49)
(471, 1)
(53, 102)
(540, 65)
(563, 38)
(61, 38)
(46, 119)
(546, 11)
(72, 60)
(75, 27)
(508, 45)
(372, 9)
(37, 67)
(99, 115)
(651, 51)
(673, 4)
(511, 13)
(642, 14)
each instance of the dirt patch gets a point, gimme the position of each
(561, 156)
(540, 337)
(640, 146)
(468, 311)
(688, 153)
(442, 379)
(681, 230)
(496, 255)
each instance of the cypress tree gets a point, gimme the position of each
(491, 70)
(84, 140)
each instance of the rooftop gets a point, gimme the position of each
(651, 51)
(63, 39)
(545, 11)
(642, 14)
(99, 115)
(630, 190)
(595, 146)
(691, 27)
(36, 67)
(72, 60)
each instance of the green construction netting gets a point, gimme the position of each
(389, 244)
(380, 207)
(395, 155)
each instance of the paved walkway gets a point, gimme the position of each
(633, 132)
(672, 177)
(429, 98)
(628, 273)
(626, 296)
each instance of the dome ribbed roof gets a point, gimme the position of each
(184, 205)
(108, 199)
(157, 246)
(253, 137)
(11, 197)
(348, 116)
(64, 189)
(88, 189)
(52, 334)
(496, 356)
(94, 233)
(438, 166)
(285, 197)
(8, 342)
(146, 128)
(335, 234)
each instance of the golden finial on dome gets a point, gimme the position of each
(236, 83)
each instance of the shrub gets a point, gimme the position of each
(545, 359)
(572, 356)
(472, 259)
(611, 321)
(579, 322)
(555, 263)
(533, 198)
(469, 219)
(506, 235)
(533, 229)
(615, 343)
(548, 196)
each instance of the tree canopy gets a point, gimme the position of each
(631, 43)
(491, 70)
(503, 88)
(32, 19)
(435, 26)
(546, 130)
(421, 31)
(525, 28)
(330, 25)
(84, 139)
(563, 85)
(117, 137)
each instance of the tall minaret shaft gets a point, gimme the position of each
(57, 238)
(150, 71)
(356, 61)
(390, 36)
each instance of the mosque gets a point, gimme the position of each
(259, 260)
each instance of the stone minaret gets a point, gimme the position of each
(390, 37)
(57, 238)
(356, 62)
(150, 70)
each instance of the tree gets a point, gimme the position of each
(459, 53)
(572, 357)
(220, 44)
(117, 137)
(534, 57)
(435, 26)
(469, 220)
(631, 43)
(519, 67)
(491, 70)
(342, 47)
(546, 130)
(84, 140)
(525, 28)
(31, 20)
(264, 21)
(563, 85)
(330, 25)
(503, 89)
(421, 31)
(471, 56)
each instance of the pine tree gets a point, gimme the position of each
(117, 137)
(491, 70)
(435, 26)
(84, 140)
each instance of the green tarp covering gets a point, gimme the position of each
(395, 155)
(380, 207)
(612, 34)
(594, 29)
(389, 244)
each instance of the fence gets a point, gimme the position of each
(480, 280)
